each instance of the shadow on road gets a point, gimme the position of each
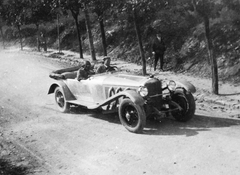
(167, 126)
(199, 123)
(111, 117)
(7, 168)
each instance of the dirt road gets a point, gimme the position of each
(89, 143)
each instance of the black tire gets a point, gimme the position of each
(60, 100)
(132, 116)
(186, 101)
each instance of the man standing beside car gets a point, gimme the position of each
(158, 49)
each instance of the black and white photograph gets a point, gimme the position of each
(119, 87)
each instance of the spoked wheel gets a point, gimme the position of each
(61, 102)
(132, 116)
(186, 101)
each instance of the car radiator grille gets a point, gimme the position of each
(154, 93)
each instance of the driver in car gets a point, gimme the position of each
(104, 66)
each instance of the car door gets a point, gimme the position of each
(81, 91)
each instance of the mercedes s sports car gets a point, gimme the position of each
(134, 97)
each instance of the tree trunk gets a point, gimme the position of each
(211, 57)
(75, 16)
(104, 44)
(140, 42)
(90, 37)
(45, 41)
(20, 36)
(213, 61)
(58, 32)
(3, 41)
(38, 38)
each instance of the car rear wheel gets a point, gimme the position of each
(61, 102)
(186, 101)
(132, 116)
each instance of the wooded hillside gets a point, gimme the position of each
(202, 36)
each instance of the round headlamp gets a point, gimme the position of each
(143, 91)
(172, 85)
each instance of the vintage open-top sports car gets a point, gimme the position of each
(134, 97)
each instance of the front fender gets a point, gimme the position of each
(134, 97)
(67, 93)
(186, 85)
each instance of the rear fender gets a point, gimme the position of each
(67, 93)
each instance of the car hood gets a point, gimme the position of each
(121, 79)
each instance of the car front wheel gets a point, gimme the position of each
(61, 102)
(186, 101)
(132, 116)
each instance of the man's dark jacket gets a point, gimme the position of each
(158, 46)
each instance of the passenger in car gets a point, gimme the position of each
(85, 71)
(78, 72)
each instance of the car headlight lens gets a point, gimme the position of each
(143, 91)
(172, 85)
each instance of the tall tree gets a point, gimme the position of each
(57, 8)
(88, 26)
(137, 8)
(138, 33)
(140, 12)
(100, 7)
(40, 12)
(206, 10)
(74, 6)
(1, 30)
(15, 15)
(2, 22)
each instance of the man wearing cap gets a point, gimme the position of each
(104, 67)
